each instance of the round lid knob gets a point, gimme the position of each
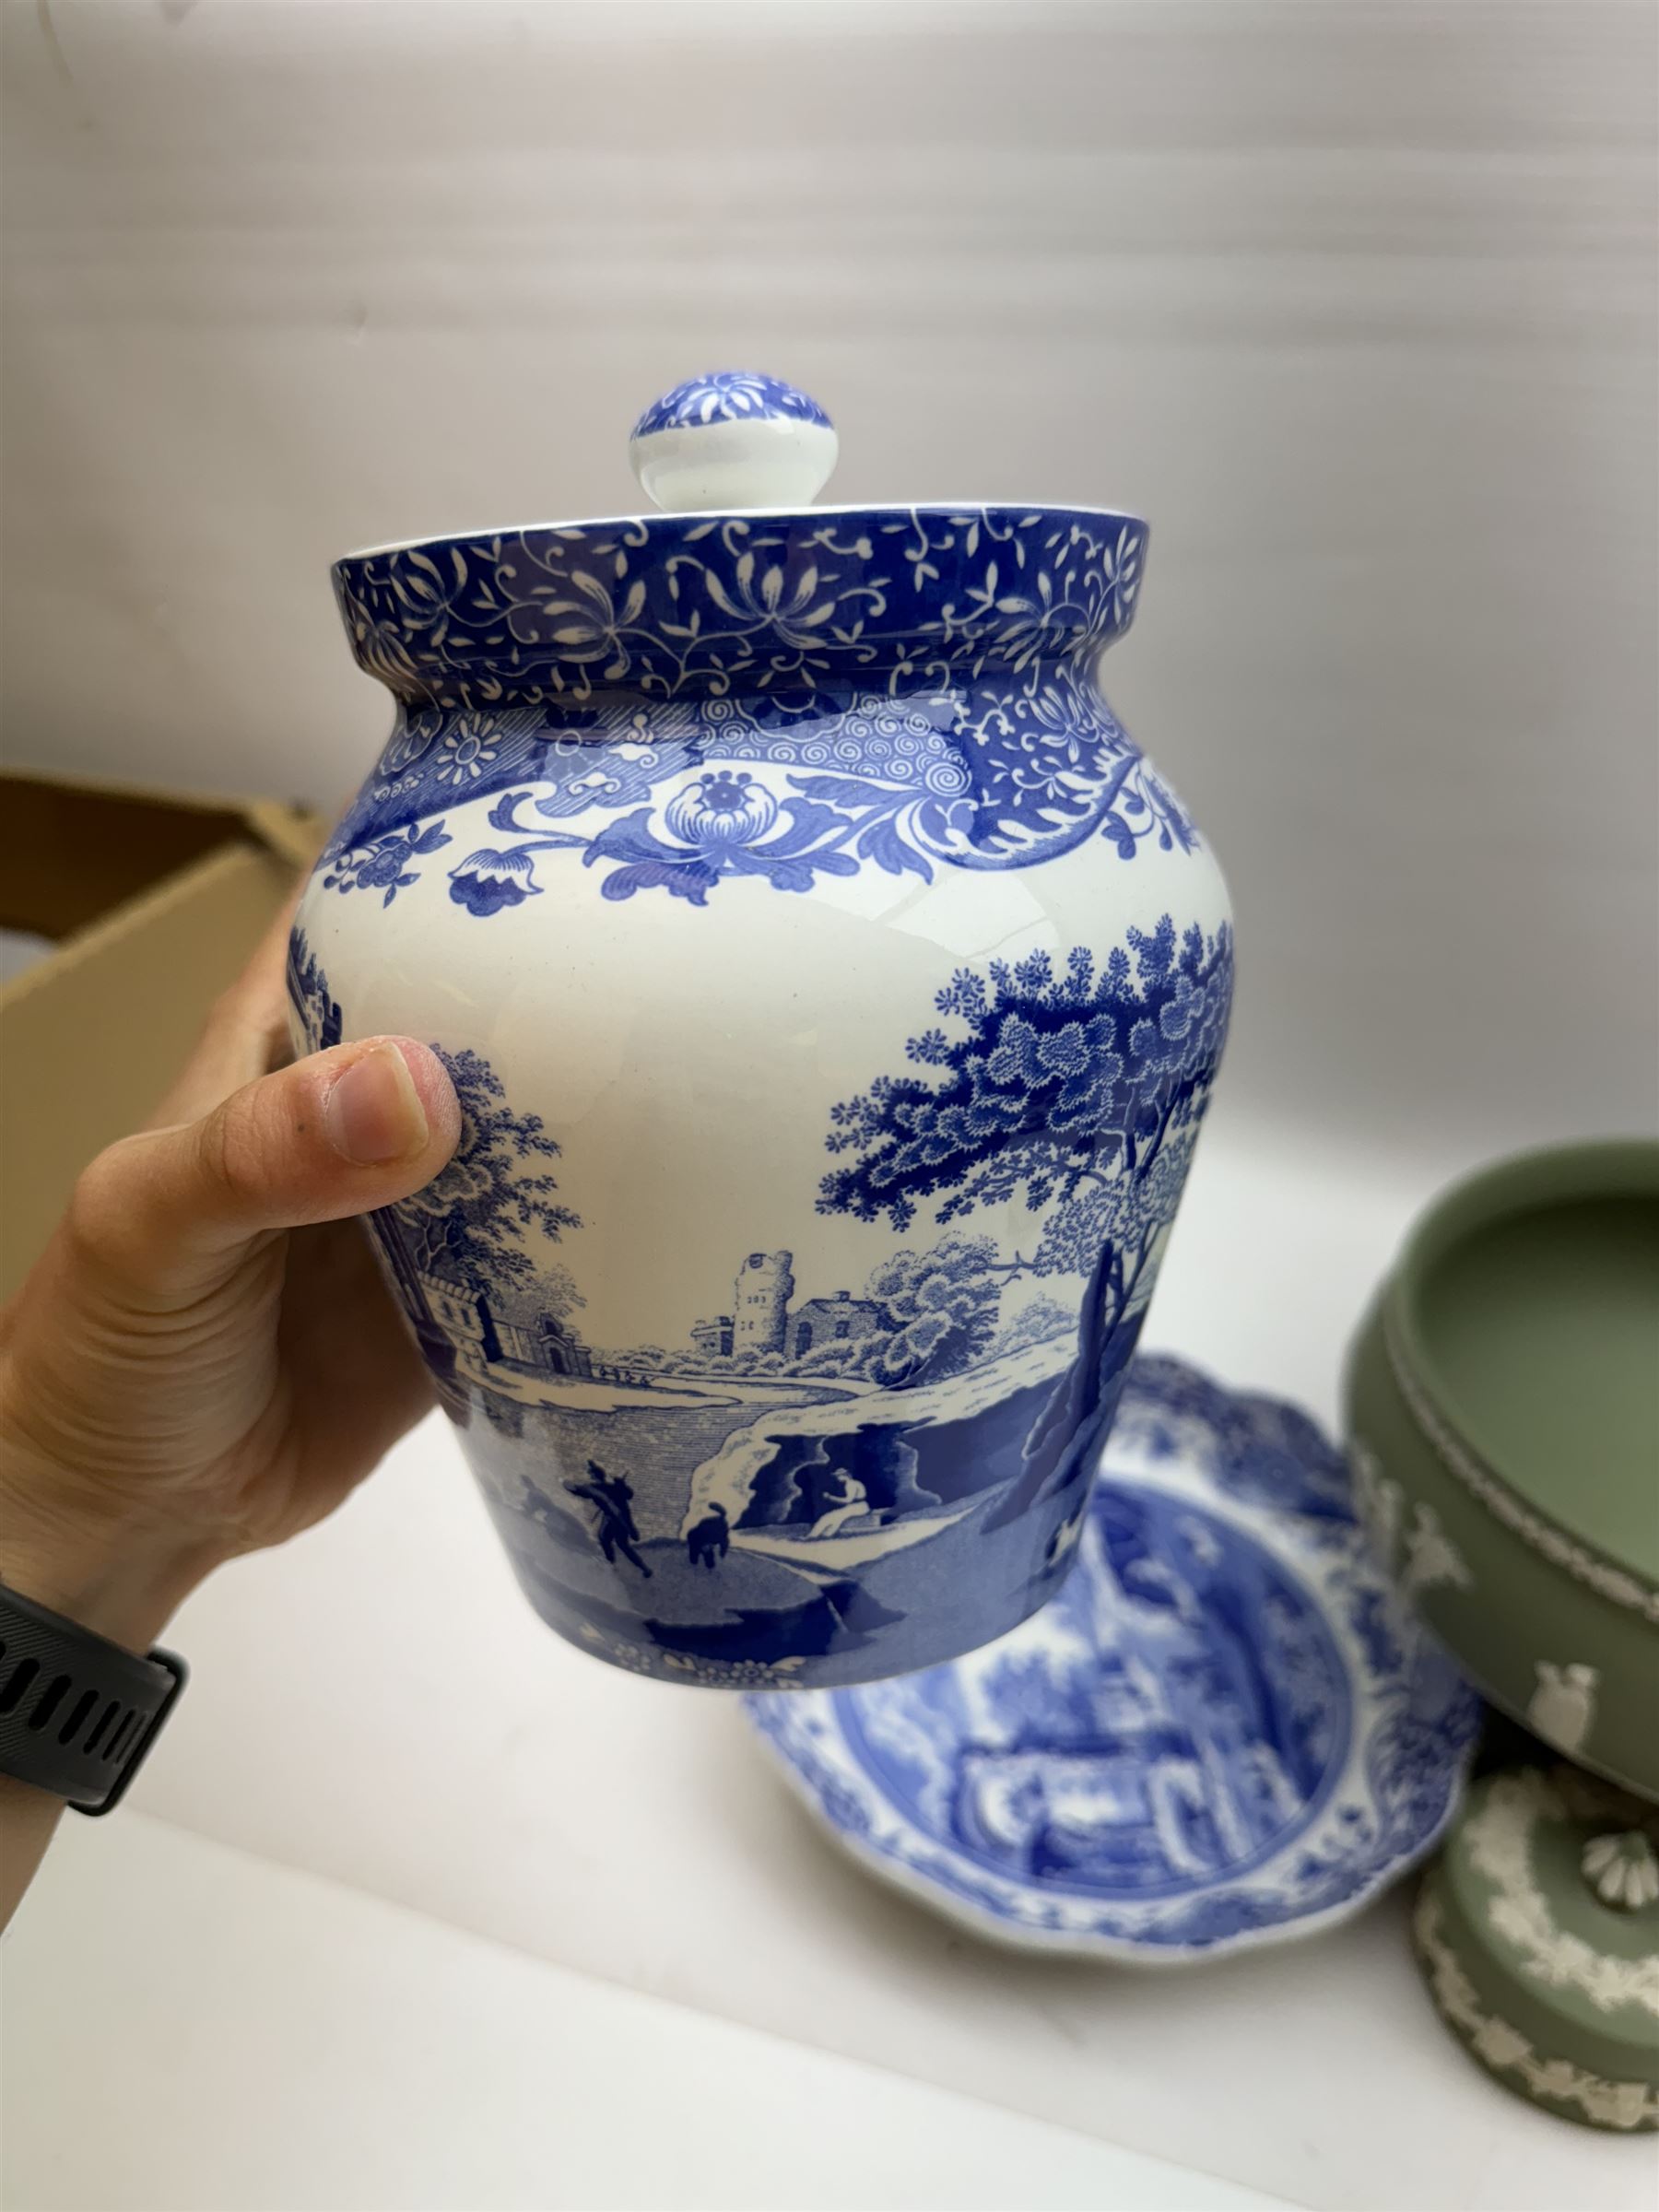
(732, 440)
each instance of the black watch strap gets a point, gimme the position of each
(77, 1712)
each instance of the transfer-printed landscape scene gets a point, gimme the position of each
(822, 1479)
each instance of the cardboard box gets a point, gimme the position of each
(152, 903)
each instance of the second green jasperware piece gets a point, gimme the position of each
(1537, 1932)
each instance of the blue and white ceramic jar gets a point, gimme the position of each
(833, 991)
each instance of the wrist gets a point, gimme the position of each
(130, 1600)
(121, 1582)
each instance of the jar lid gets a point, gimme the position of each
(1539, 1935)
(740, 588)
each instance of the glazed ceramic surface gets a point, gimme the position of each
(833, 991)
(1223, 1730)
(732, 440)
(1538, 1937)
(1503, 1412)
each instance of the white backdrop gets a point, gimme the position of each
(1355, 302)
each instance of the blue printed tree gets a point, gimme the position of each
(1059, 1079)
(939, 1310)
(1042, 1320)
(469, 1225)
(1076, 1092)
(318, 1011)
(477, 1212)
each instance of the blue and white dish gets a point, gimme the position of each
(1224, 1731)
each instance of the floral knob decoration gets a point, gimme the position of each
(1623, 1870)
(732, 440)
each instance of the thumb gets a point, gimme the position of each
(338, 1134)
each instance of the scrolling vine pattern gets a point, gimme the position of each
(693, 699)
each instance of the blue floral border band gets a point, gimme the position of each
(782, 606)
(684, 699)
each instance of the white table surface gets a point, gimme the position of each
(377, 1705)
(198, 2030)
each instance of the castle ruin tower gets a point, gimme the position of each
(760, 1308)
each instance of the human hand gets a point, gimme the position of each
(204, 1359)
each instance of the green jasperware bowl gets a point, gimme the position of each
(1503, 1422)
